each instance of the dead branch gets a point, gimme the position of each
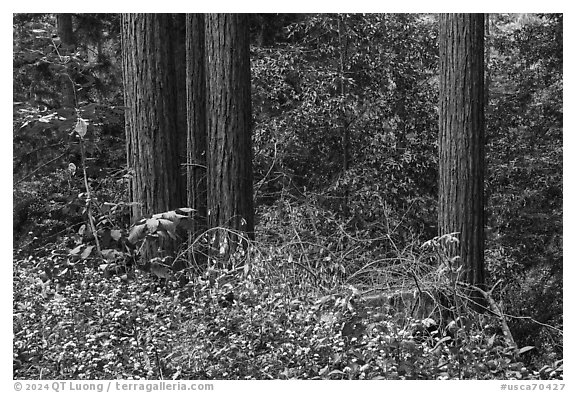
(508, 338)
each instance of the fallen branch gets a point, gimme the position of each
(508, 338)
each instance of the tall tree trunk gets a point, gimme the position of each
(66, 34)
(65, 31)
(197, 133)
(178, 38)
(151, 130)
(229, 124)
(461, 139)
(178, 31)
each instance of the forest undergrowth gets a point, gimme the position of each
(298, 304)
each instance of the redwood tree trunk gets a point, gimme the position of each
(461, 139)
(197, 133)
(66, 34)
(64, 25)
(178, 31)
(229, 123)
(151, 117)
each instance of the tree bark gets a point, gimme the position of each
(65, 31)
(66, 34)
(197, 132)
(461, 140)
(178, 31)
(229, 123)
(151, 112)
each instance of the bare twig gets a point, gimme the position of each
(89, 197)
(261, 182)
(535, 321)
(39, 168)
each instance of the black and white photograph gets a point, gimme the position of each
(205, 197)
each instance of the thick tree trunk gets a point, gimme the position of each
(461, 139)
(229, 123)
(65, 31)
(178, 30)
(66, 34)
(151, 117)
(197, 133)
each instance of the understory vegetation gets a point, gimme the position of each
(294, 311)
(347, 277)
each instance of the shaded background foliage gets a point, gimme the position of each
(524, 155)
(345, 129)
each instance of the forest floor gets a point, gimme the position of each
(73, 321)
